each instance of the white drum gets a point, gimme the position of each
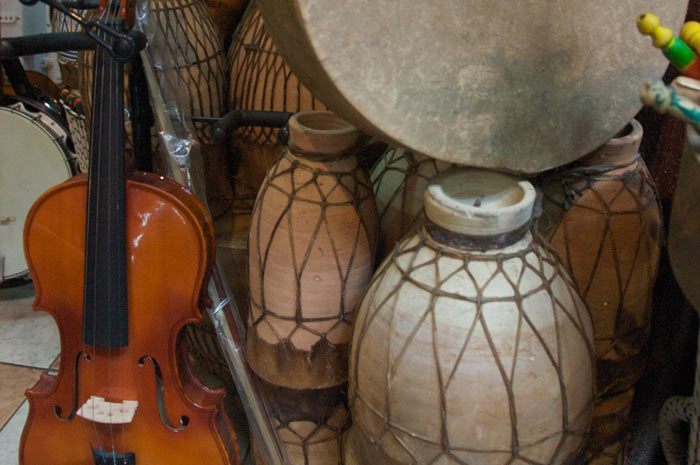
(33, 158)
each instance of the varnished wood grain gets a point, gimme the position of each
(170, 251)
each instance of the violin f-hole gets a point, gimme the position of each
(160, 396)
(76, 369)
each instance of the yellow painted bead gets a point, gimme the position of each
(647, 23)
(690, 34)
(662, 36)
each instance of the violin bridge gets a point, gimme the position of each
(97, 410)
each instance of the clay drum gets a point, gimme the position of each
(311, 250)
(471, 345)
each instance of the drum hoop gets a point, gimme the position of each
(11, 100)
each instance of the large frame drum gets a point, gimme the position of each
(521, 86)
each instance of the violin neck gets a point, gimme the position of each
(105, 322)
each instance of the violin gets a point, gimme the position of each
(121, 263)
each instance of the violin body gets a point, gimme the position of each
(170, 248)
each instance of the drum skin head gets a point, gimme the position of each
(31, 161)
(518, 85)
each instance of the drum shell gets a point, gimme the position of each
(603, 217)
(260, 79)
(302, 304)
(194, 51)
(44, 162)
(400, 178)
(310, 423)
(412, 375)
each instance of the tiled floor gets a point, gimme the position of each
(29, 344)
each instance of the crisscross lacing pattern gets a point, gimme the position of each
(195, 46)
(467, 357)
(400, 178)
(310, 259)
(605, 223)
(260, 78)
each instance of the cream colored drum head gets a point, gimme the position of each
(518, 85)
(32, 159)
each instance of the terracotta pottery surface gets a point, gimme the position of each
(603, 217)
(472, 347)
(400, 178)
(197, 55)
(311, 250)
(260, 80)
(311, 423)
(194, 51)
(528, 87)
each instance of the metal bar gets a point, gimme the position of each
(81, 4)
(44, 43)
(237, 118)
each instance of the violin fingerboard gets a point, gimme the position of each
(105, 304)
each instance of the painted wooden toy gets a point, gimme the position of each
(665, 99)
(676, 50)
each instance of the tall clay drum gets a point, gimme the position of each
(525, 86)
(310, 257)
(196, 52)
(472, 344)
(399, 178)
(192, 47)
(260, 79)
(602, 216)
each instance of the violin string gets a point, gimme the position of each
(106, 62)
(99, 195)
(111, 87)
(93, 190)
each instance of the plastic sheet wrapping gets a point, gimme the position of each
(178, 145)
(182, 162)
